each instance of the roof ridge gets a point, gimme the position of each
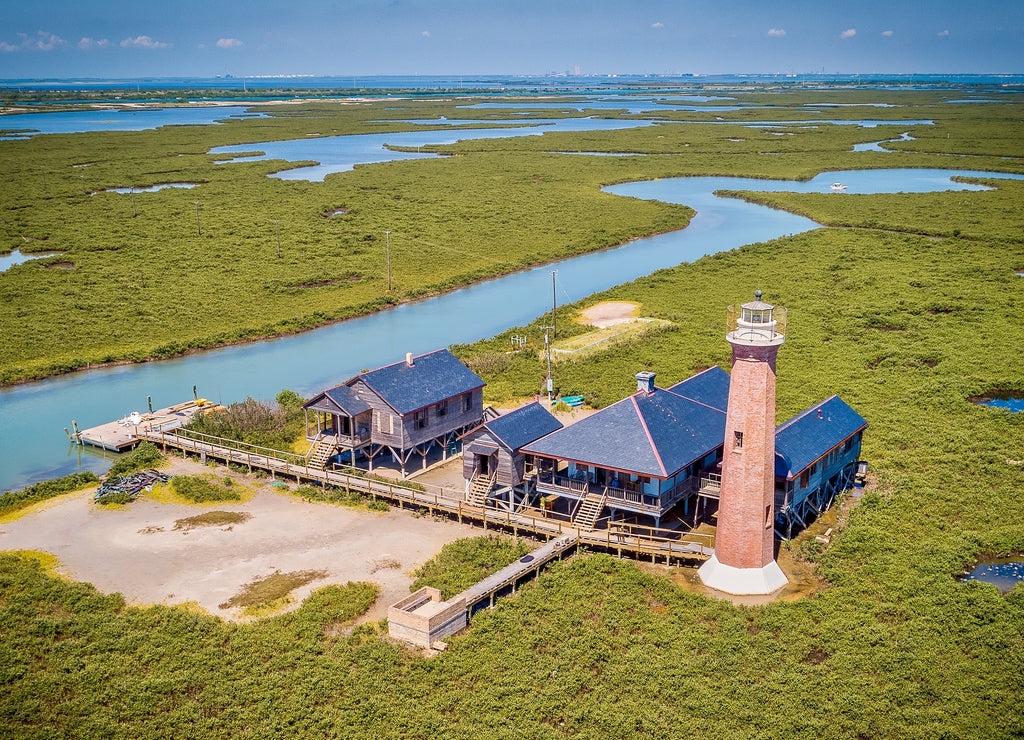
(793, 420)
(647, 431)
(402, 361)
(691, 398)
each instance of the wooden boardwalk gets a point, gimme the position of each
(659, 545)
(509, 576)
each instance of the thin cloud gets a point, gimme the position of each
(42, 41)
(228, 43)
(944, 33)
(777, 33)
(887, 34)
(849, 33)
(144, 42)
(657, 24)
(425, 34)
(89, 43)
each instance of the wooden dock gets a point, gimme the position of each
(124, 434)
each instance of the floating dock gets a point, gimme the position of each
(124, 434)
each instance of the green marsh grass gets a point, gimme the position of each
(891, 309)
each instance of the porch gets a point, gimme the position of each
(618, 494)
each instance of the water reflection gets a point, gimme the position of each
(1003, 573)
(16, 257)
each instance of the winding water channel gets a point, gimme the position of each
(33, 415)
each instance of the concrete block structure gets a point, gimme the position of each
(424, 618)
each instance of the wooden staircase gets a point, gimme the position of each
(479, 489)
(589, 510)
(321, 452)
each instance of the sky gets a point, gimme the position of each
(205, 38)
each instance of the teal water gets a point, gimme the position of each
(33, 445)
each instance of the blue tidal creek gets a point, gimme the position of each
(33, 445)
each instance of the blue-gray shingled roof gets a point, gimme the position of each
(710, 387)
(432, 377)
(523, 425)
(655, 434)
(811, 434)
(338, 399)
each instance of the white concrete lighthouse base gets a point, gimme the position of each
(742, 581)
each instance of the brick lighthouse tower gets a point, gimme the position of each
(744, 557)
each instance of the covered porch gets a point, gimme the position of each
(622, 493)
(339, 419)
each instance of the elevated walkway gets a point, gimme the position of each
(660, 545)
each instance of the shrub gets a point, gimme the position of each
(200, 489)
(15, 500)
(146, 455)
(464, 562)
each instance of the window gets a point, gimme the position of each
(805, 478)
(467, 401)
(737, 440)
(767, 517)
(420, 419)
(442, 408)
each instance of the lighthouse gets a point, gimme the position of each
(744, 558)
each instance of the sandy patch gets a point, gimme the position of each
(609, 313)
(138, 552)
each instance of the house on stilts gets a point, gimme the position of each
(493, 459)
(405, 410)
(656, 455)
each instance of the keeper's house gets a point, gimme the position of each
(659, 452)
(405, 409)
(640, 456)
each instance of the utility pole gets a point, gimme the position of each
(277, 228)
(387, 235)
(199, 228)
(547, 350)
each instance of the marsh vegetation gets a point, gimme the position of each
(908, 308)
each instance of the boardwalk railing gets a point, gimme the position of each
(620, 538)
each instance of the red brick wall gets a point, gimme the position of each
(748, 472)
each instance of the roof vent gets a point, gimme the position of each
(408, 359)
(645, 382)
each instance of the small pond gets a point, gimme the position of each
(8, 261)
(1010, 404)
(151, 188)
(1003, 573)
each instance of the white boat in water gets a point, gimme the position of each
(837, 187)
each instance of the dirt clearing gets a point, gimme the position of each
(142, 552)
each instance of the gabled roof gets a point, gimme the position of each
(338, 400)
(655, 434)
(523, 425)
(709, 387)
(809, 435)
(431, 378)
